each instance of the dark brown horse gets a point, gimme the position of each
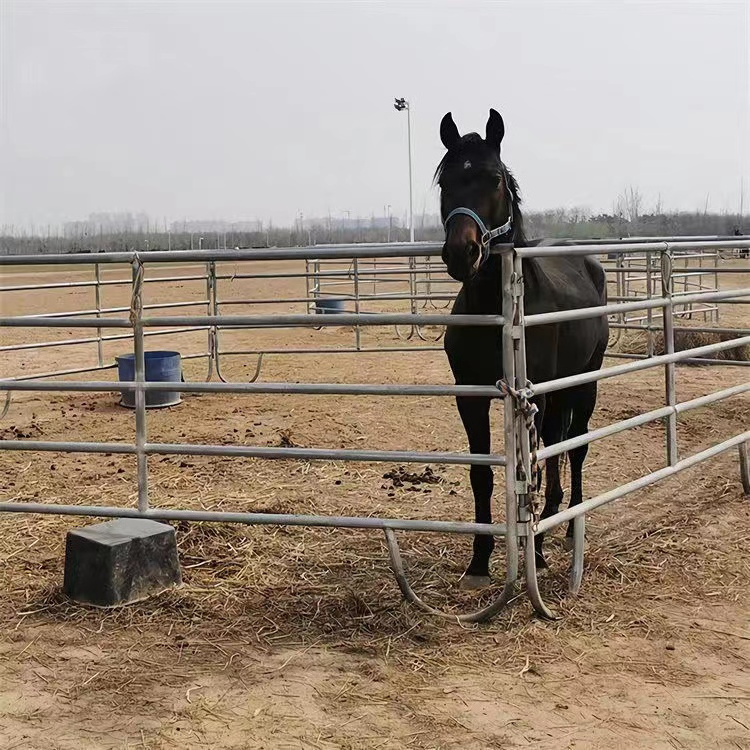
(480, 205)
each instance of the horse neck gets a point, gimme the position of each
(483, 291)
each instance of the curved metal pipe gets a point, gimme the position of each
(6, 408)
(744, 449)
(481, 615)
(426, 338)
(214, 348)
(255, 376)
(579, 546)
(404, 338)
(532, 582)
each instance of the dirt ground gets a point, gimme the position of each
(298, 638)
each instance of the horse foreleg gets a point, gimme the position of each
(553, 495)
(551, 432)
(475, 415)
(583, 408)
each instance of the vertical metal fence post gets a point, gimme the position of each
(308, 287)
(427, 284)
(211, 343)
(715, 311)
(525, 478)
(669, 369)
(412, 288)
(509, 422)
(216, 330)
(136, 320)
(649, 314)
(98, 298)
(357, 330)
(702, 284)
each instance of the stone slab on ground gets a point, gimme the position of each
(121, 561)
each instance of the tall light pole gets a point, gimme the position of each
(401, 105)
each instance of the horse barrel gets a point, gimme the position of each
(330, 305)
(161, 367)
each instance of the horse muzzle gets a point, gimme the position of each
(462, 264)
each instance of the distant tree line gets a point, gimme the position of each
(626, 220)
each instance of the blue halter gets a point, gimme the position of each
(488, 236)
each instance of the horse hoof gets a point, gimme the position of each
(568, 543)
(473, 583)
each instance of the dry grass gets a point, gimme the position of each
(333, 588)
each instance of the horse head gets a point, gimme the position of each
(477, 195)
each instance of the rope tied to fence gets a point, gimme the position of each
(531, 482)
(136, 300)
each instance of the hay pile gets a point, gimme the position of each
(636, 342)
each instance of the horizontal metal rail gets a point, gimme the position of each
(102, 282)
(629, 248)
(675, 238)
(689, 361)
(261, 519)
(344, 273)
(310, 389)
(263, 321)
(682, 329)
(336, 320)
(637, 484)
(349, 296)
(681, 272)
(322, 350)
(250, 451)
(111, 310)
(537, 389)
(48, 322)
(641, 419)
(373, 250)
(583, 313)
(81, 370)
(92, 339)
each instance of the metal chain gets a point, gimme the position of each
(528, 410)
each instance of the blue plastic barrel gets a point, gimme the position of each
(161, 367)
(330, 305)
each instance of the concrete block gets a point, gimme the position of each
(121, 561)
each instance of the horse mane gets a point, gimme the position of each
(473, 148)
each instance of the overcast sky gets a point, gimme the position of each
(263, 110)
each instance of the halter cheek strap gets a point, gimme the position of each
(488, 236)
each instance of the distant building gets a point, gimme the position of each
(215, 225)
(109, 223)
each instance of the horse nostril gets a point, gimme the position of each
(472, 251)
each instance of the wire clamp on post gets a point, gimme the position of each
(136, 300)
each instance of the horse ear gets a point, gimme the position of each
(495, 129)
(449, 132)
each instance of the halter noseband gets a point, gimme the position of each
(488, 236)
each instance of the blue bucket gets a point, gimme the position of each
(330, 305)
(161, 367)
